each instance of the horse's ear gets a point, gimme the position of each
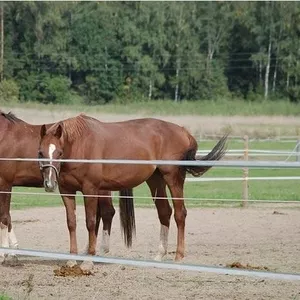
(59, 131)
(43, 130)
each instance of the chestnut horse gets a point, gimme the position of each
(84, 137)
(19, 139)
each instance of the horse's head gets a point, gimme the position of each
(51, 146)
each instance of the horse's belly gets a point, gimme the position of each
(122, 176)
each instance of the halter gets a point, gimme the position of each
(43, 166)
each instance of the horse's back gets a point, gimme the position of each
(146, 138)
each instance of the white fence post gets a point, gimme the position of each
(245, 173)
(298, 150)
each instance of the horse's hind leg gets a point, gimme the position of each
(157, 186)
(107, 213)
(175, 182)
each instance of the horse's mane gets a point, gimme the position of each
(10, 117)
(75, 127)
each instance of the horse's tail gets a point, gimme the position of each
(127, 217)
(216, 153)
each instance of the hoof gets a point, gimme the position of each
(11, 261)
(87, 265)
(158, 257)
(179, 258)
(86, 250)
(104, 250)
(71, 263)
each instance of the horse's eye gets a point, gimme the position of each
(59, 153)
(40, 154)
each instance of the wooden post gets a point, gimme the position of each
(245, 173)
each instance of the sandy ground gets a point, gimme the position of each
(255, 236)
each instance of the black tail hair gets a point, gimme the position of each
(215, 154)
(127, 217)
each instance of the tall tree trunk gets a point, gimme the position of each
(150, 90)
(106, 55)
(177, 79)
(268, 69)
(275, 74)
(260, 72)
(296, 76)
(288, 74)
(209, 40)
(2, 41)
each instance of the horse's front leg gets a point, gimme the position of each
(7, 235)
(70, 206)
(90, 204)
(5, 222)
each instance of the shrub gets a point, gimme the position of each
(9, 91)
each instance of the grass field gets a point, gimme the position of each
(258, 190)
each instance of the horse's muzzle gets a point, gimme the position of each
(50, 186)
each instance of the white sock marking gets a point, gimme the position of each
(4, 236)
(13, 243)
(162, 249)
(104, 247)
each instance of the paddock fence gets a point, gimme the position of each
(246, 164)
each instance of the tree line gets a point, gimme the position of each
(98, 52)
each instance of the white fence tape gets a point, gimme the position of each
(221, 163)
(154, 264)
(240, 152)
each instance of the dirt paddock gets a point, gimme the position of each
(259, 236)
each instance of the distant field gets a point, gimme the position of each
(258, 190)
(202, 118)
(218, 107)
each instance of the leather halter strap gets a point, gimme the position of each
(43, 166)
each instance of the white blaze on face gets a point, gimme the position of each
(51, 151)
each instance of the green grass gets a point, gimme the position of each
(5, 297)
(202, 192)
(167, 107)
